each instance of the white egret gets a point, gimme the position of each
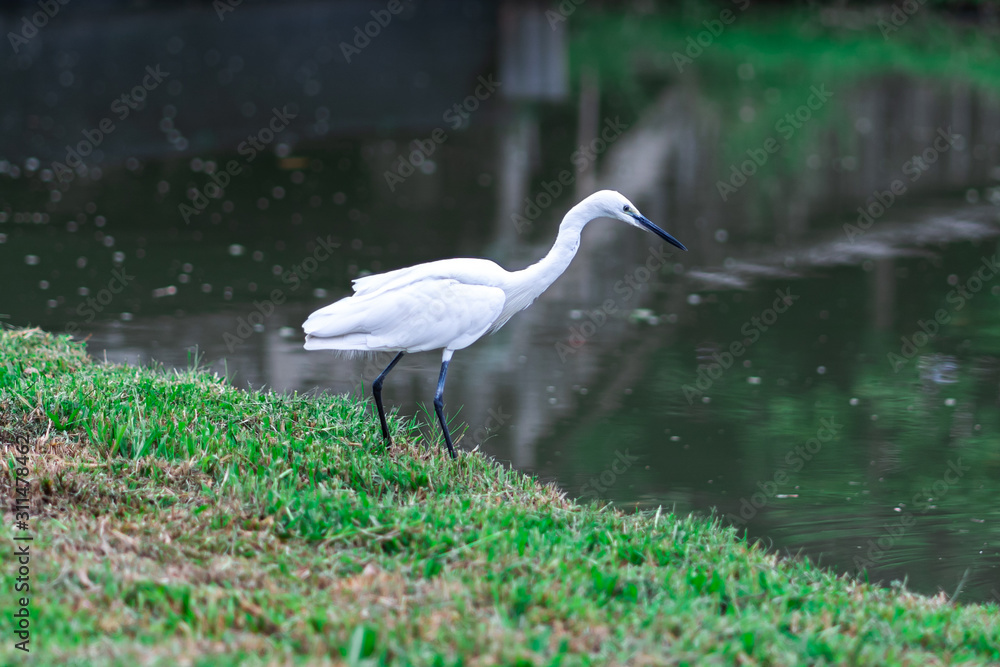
(452, 303)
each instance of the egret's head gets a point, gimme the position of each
(615, 205)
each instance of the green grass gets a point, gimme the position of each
(179, 520)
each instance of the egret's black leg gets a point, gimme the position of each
(377, 393)
(439, 405)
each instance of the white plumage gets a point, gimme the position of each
(450, 304)
(445, 304)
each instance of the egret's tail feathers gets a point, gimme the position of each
(338, 319)
(345, 325)
(351, 353)
(356, 341)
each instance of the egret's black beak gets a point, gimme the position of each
(642, 220)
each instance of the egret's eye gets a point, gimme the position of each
(627, 208)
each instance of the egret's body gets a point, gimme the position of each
(452, 303)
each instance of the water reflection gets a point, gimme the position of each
(856, 425)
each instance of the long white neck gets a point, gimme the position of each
(536, 278)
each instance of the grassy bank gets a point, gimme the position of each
(179, 520)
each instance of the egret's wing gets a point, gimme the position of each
(427, 315)
(373, 283)
(434, 314)
(466, 270)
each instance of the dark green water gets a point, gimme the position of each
(816, 439)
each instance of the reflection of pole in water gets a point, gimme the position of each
(588, 125)
(962, 104)
(513, 175)
(884, 297)
(533, 67)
